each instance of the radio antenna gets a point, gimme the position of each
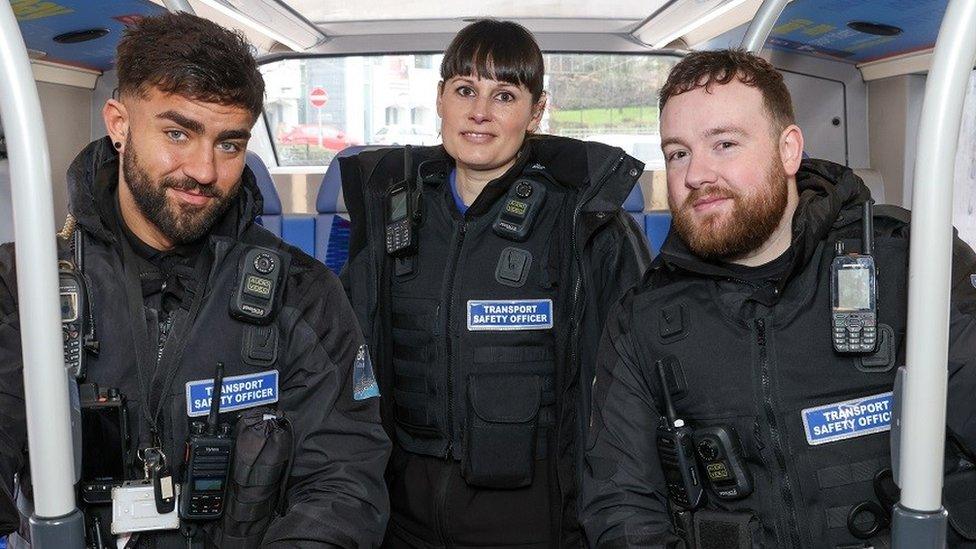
(215, 400)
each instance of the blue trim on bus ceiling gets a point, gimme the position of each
(41, 21)
(819, 27)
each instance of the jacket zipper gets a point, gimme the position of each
(786, 490)
(449, 336)
(573, 339)
(578, 286)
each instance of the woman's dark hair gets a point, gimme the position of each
(499, 50)
(189, 56)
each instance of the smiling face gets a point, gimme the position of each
(484, 121)
(731, 173)
(181, 164)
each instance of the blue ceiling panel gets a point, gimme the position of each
(819, 27)
(40, 21)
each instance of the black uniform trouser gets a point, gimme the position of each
(433, 507)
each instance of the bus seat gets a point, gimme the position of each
(875, 183)
(299, 231)
(332, 220)
(656, 226)
(634, 204)
(270, 217)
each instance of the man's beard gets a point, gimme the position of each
(753, 219)
(181, 223)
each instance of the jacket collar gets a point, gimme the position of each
(825, 189)
(606, 173)
(87, 202)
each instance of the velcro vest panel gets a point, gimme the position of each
(469, 349)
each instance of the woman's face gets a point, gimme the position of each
(483, 122)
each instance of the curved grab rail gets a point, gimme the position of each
(179, 5)
(56, 519)
(761, 25)
(930, 264)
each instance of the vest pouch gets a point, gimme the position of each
(263, 452)
(727, 530)
(502, 416)
(412, 324)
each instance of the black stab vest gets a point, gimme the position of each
(757, 369)
(462, 390)
(211, 336)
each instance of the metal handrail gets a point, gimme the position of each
(179, 5)
(762, 24)
(920, 515)
(46, 396)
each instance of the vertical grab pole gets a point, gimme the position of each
(762, 24)
(919, 518)
(56, 522)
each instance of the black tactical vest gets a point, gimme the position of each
(757, 368)
(211, 335)
(477, 336)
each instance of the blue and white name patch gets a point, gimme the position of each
(510, 314)
(848, 419)
(237, 393)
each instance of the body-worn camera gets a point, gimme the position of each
(258, 286)
(520, 210)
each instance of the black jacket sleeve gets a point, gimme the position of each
(336, 495)
(617, 259)
(961, 414)
(622, 256)
(623, 496)
(13, 426)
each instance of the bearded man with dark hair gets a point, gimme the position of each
(736, 315)
(181, 277)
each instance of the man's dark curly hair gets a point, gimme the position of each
(182, 54)
(704, 69)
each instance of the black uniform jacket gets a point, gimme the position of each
(754, 357)
(608, 256)
(336, 496)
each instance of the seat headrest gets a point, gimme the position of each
(329, 199)
(874, 182)
(635, 200)
(272, 204)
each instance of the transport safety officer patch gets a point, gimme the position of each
(848, 419)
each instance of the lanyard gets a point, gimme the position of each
(150, 360)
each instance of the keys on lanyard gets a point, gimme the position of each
(158, 470)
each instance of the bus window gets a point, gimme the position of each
(316, 107)
(964, 182)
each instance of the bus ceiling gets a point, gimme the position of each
(881, 37)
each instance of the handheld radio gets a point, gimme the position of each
(206, 462)
(722, 460)
(854, 294)
(675, 448)
(521, 207)
(77, 327)
(401, 212)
